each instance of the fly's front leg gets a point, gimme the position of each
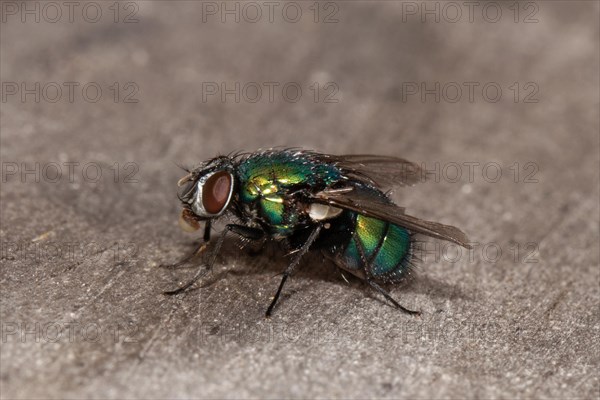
(290, 268)
(207, 231)
(244, 231)
(195, 253)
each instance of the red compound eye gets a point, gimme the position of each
(215, 192)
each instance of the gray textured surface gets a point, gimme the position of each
(509, 328)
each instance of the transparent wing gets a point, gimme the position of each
(364, 202)
(380, 171)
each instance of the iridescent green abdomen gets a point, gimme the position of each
(268, 182)
(386, 247)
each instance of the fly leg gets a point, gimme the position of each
(293, 264)
(367, 265)
(390, 298)
(244, 231)
(195, 253)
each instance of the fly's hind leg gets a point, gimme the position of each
(244, 231)
(366, 266)
(385, 294)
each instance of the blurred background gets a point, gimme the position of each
(101, 101)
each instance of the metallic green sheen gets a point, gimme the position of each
(273, 211)
(388, 247)
(370, 231)
(393, 251)
(267, 178)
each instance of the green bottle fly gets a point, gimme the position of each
(313, 201)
